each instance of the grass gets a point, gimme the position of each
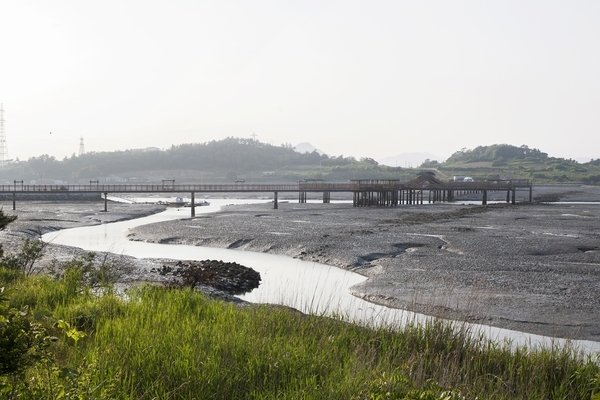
(163, 343)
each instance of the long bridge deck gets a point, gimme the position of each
(366, 192)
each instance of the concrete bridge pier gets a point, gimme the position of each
(275, 204)
(14, 200)
(484, 198)
(301, 197)
(514, 195)
(326, 197)
(530, 194)
(105, 202)
(193, 205)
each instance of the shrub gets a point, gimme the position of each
(22, 340)
(24, 260)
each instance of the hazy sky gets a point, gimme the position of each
(362, 78)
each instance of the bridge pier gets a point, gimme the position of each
(514, 195)
(275, 204)
(14, 200)
(530, 194)
(105, 202)
(301, 197)
(484, 198)
(193, 206)
(326, 197)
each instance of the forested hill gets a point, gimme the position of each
(507, 161)
(216, 161)
(496, 153)
(233, 159)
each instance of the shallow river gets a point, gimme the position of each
(307, 286)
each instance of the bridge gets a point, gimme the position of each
(365, 192)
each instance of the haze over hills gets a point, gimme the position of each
(404, 160)
(409, 160)
(306, 147)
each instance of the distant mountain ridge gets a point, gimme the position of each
(306, 147)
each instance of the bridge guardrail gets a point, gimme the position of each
(251, 187)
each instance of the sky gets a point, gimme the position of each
(353, 78)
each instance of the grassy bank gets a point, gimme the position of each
(160, 343)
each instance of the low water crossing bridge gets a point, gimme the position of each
(365, 192)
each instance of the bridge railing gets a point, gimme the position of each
(141, 188)
(258, 187)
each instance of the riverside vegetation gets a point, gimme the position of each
(69, 335)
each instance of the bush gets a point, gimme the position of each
(22, 340)
(84, 272)
(24, 260)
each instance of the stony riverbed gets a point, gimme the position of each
(534, 268)
(529, 267)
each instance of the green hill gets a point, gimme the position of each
(506, 162)
(216, 161)
(253, 161)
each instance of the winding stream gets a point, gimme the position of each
(307, 286)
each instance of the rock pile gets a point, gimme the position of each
(229, 277)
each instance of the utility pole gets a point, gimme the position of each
(3, 150)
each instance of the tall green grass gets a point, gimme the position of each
(159, 343)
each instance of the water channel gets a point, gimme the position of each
(307, 286)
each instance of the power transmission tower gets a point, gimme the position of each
(3, 149)
(81, 147)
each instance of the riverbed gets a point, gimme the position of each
(310, 243)
(527, 267)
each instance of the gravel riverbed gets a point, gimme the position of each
(528, 267)
(34, 218)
